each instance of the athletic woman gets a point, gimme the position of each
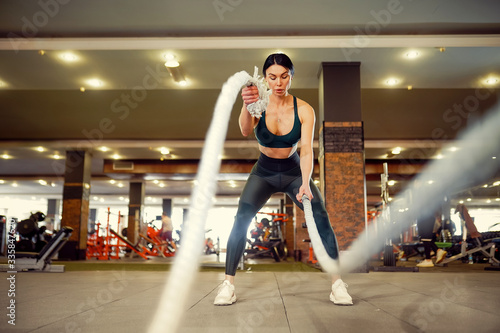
(279, 168)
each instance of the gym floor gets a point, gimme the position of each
(283, 297)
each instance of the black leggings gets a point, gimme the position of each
(269, 176)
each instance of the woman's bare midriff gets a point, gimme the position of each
(278, 153)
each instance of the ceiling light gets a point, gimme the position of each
(442, 49)
(439, 156)
(169, 56)
(410, 87)
(2, 181)
(488, 201)
(95, 83)
(496, 183)
(491, 81)
(497, 199)
(120, 185)
(430, 182)
(112, 181)
(453, 149)
(2, 84)
(164, 151)
(56, 156)
(42, 182)
(156, 181)
(6, 156)
(14, 184)
(68, 57)
(82, 89)
(172, 64)
(412, 54)
(103, 149)
(116, 156)
(469, 199)
(461, 201)
(40, 149)
(182, 83)
(485, 185)
(391, 81)
(396, 151)
(391, 182)
(41, 52)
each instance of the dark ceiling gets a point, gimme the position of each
(139, 108)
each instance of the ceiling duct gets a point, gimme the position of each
(123, 165)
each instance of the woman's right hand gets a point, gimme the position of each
(250, 94)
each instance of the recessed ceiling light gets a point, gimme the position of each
(169, 56)
(391, 81)
(40, 149)
(6, 156)
(14, 184)
(412, 54)
(95, 83)
(82, 89)
(164, 151)
(42, 182)
(116, 156)
(396, 151)
(56, 156)
(2, 181)
(183, 83)
(103, 149)
(391, 182)
(68, 57)
(491, 81)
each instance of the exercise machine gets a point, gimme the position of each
(42, 261)
(478, 245)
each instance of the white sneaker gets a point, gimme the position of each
(339, 293)
(425, 263)
(225, 295)
(440, 256)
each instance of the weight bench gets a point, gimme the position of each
(486, 247)
(31, 261)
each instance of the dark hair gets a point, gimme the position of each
(278, 59)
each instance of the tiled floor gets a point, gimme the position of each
(437, 300)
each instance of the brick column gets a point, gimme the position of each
(289, 227)
(75, 211)
(341, 155)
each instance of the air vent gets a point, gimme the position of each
(123, 165)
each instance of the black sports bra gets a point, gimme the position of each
(268, 139)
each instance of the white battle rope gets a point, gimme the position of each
(328, 264)
(469, 161)
(173, 300)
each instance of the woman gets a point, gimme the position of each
(286, 120)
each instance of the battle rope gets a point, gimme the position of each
(327, 263)
(178, 284)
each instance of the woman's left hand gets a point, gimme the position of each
(304, 190)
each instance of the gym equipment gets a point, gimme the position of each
(29, 261)
(389, 255)
(109, 245)
(31, 237)
(485, 247)
(267, 239)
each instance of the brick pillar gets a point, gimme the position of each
(289, 226)
(75, 211)
(135, 210)
(341, 155)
